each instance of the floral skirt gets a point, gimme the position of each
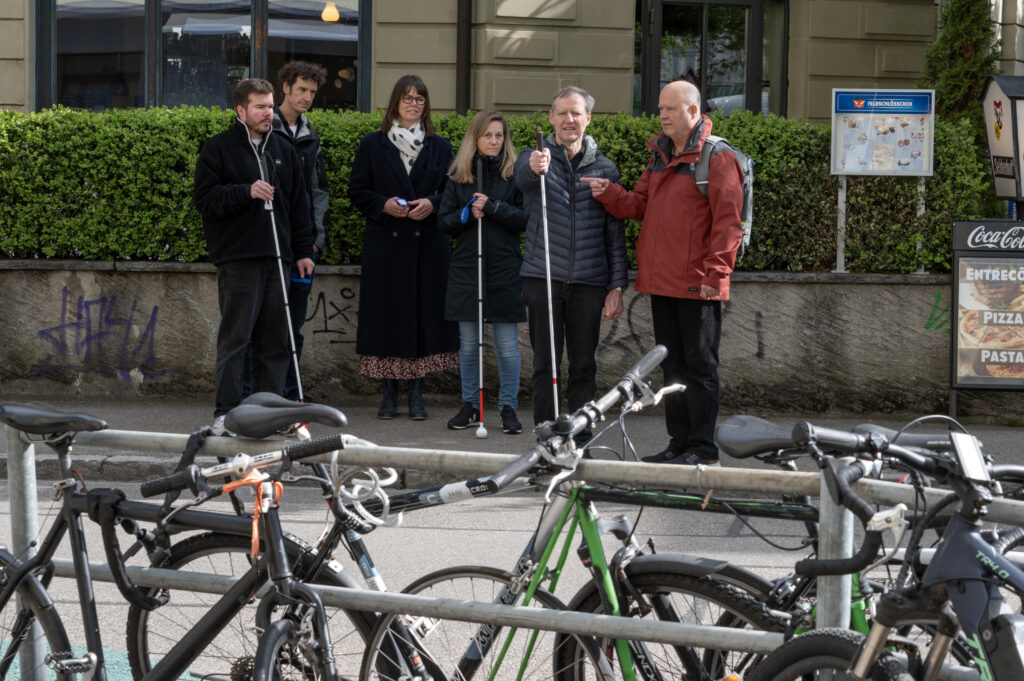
(406, 368)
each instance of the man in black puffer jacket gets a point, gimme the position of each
(231, 190)
(587, 253)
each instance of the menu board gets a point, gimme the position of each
(882, 132)
(989, 293)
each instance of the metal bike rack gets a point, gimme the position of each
(834, 521)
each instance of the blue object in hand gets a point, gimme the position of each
(401, 202)
(464, 213)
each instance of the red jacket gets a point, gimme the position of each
(686, 239)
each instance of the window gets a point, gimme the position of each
(733, 51)
(100, 54)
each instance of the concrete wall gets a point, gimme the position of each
(1009, 19)
(854, 43)
(790, 342)
(15, 63)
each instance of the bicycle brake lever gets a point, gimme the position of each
(556, 481)
(891, 519)
(649, 398)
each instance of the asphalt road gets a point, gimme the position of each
(490, 531)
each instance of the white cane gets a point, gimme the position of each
(481, 432)
(547, 274)
(269, 206)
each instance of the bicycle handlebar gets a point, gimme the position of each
(189, 476)
(583, 417)
(804, 435)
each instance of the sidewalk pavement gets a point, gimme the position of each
(647, 430)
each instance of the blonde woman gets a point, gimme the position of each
(499, 203)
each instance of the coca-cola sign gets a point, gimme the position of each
(991, 236)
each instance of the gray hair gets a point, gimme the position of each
(588, 99)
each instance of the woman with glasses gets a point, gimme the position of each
(495, 200)
(397, 179)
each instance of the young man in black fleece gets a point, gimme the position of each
(238, 171)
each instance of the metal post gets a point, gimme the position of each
(21, 476)
(841, 227)
(835, 540)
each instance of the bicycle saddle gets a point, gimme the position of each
(938, 442)
(742, 436)
(264, 414)
(43, 422)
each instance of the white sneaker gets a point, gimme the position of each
(219, 429)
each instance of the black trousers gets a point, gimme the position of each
(691, 330)
(298, 305)
(577, 312)
(251, 307)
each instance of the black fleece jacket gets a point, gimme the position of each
(236, 225)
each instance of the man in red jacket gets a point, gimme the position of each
(686, 252)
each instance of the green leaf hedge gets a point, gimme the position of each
(117, 186)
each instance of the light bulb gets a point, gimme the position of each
(330, 12)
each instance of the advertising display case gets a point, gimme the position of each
(988, 294)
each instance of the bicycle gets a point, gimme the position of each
(629, 584)
(32, 629)
(959, 589)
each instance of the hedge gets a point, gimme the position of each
(117, 185)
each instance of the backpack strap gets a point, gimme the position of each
(702, 168)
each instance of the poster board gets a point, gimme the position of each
(988, 291)
(883, 132)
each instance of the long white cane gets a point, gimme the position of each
(547, 274)
(269, 206)
(481, 432)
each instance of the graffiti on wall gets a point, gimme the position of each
(334, 318)
(939, 316)
(97, 335)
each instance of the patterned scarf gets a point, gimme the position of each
(409, 142)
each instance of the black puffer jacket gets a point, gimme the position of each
(588, 246)
(504, 220)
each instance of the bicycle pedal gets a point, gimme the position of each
(65, 661)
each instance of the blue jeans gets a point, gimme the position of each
(506, 344)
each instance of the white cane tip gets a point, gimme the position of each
(481, 432)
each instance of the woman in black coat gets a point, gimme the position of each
(397, 178)
(499, 203)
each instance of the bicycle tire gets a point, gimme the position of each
(442, 644)
(686, 598)
(151, 634)
(823, 650)
(284, 654)
(30, 604)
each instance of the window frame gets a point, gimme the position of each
(46, 51)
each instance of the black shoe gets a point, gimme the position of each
(417, 412)
(509, 421)
(388, 399)
(691, 459)
(661, 457)
(467, 416)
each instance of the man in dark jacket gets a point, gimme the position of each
(587, 253)
(247, 183)
(299, 82)
(686, 252)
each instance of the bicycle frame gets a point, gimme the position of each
(272, 565)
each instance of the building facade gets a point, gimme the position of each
(779, 56)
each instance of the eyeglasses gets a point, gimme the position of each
(410, 99)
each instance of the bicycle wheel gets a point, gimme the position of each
(29, 606)
(454, 651)
(678, 597)
(151, 634)
(823, 654)
(285, 653)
